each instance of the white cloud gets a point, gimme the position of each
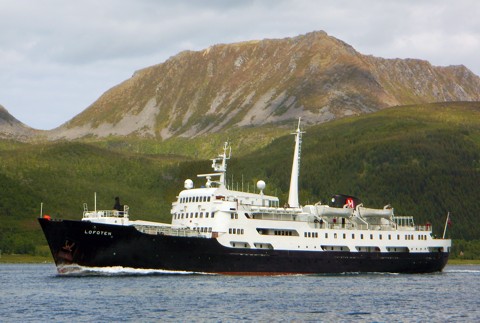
(57, 57)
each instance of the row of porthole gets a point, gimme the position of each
(235, 231)
(203, 229)
(178, 216)
(335, 236)
(311, 234)
(283, 233)
(367, 249)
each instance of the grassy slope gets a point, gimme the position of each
(243, 140)
(424, 160)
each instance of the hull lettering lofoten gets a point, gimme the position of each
(98, 233)
(216, 229)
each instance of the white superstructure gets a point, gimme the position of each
(255, 220)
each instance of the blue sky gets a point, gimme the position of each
(57, 57)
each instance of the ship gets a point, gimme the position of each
(218, 229)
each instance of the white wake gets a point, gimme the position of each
(77, 270)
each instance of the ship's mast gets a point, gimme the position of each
(222, 167)
(293, 194)
(219, 165)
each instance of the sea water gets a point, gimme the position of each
(36, 293)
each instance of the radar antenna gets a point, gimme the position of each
(219, 165)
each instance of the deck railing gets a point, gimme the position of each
(169, 231)
(274, 216)
(105, 213)
(315, 223)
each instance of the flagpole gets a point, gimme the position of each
(446, 223)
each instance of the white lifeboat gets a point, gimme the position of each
(386, 212)
(328, 211)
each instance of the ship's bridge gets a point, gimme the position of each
(196, 195)
(201, 195)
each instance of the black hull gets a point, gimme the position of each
(101, 245)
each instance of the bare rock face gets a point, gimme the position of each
(11, 128)
(313, 76)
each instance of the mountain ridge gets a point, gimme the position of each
(313, 76)
(272, 81)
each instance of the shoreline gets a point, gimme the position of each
(29, 259)
(463, 262)
(25, 259)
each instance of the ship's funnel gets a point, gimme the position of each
(293, 194)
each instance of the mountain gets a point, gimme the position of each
(11, 128)
(272, 81)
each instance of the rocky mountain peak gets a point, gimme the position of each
(313, 76)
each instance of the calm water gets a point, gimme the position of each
(37, 293)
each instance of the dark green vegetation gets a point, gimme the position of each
(64, 176)
(423, 160)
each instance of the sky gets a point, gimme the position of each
(57, 57)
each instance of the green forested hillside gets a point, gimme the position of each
(64, 176)
(423, 160)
